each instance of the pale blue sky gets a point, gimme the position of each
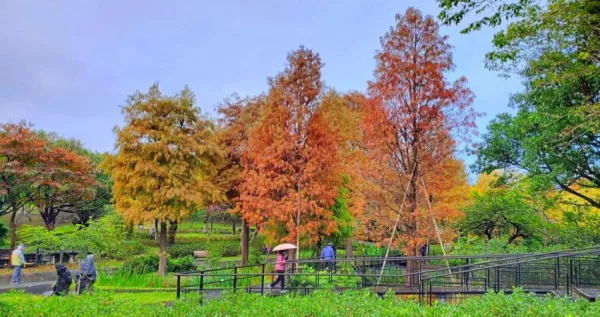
(66, 66)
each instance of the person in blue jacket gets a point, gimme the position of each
(328, 255)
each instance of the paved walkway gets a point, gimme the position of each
(35, 283)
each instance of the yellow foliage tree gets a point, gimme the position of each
(166, 160)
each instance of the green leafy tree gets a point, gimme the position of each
(501, 212)
(554, 137)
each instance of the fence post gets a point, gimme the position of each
(178, 286)
(201, 288)
(518, 273)
(235, 278)
(262, 280)
(570, 270)
(37, 255)
(556, 276)
(557, 272)
(498, 279)
(568, 285)
(430, 293)
(421, 291)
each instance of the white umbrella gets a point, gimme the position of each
(284, 247)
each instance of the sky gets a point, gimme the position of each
(67, 66)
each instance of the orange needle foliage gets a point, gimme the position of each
(292, 166)
(166, 161)
(412, 116)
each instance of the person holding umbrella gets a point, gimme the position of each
(280, 269)
(280, 263)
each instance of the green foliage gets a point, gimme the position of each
(501, 211)
(223, 247)
(105, 237)
(555, 134)
(143, 264)
(181, 264)
(255, 251)
(123, 279)
(341, 216)
(3, 233)
(580, 229)
(140, 264)
(454, 11)
(321, 303)
(204, 238)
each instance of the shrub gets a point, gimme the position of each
(140, 264)
(225, 248)
(182, 264)
(198, 238)
(143, 264)
(105, 237)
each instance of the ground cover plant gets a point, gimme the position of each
(322, 303)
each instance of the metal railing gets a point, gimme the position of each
(555, 273)
(428, 277)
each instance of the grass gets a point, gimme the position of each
(142, 298)
(320, 303)
(119, 279)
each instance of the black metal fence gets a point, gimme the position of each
(431, 278)
(556, 273)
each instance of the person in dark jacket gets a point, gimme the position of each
(63, 284)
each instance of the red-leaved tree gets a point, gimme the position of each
(291, 168)
(413, 117)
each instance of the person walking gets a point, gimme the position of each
(328, 255)
(17, 260)
(280, 269)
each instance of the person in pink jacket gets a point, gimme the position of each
(280, 268)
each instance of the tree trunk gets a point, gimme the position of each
(233, 227)
(349, 248)
(13, 229)
(255, 234)
(162, 260)
(172, 231)
(245, 241)
(156, 229)
(298, 224)
(49, 215)
(411, 225)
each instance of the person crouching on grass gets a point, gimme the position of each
(17, 260)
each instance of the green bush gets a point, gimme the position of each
(225, 248)
(140, 264)
(106, 237)
(198, 238)
(143, 264)
(182, 264)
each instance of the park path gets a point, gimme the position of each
(35, 283)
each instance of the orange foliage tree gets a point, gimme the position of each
(166, 161)
(238, 116)
(32, 171)
(291, 168)
(413, 116)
